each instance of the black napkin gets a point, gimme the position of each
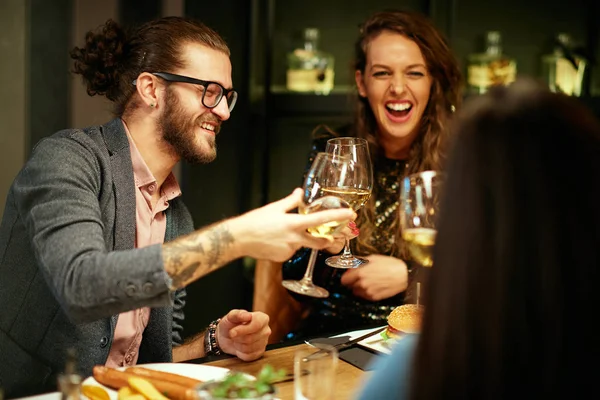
(358, 356)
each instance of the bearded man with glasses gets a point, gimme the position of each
(96, 246)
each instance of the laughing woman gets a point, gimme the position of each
(408, 85)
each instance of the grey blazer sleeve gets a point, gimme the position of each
(57, 195)
(178, 317)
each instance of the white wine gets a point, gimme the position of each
(420, 242)
(321, 204)
(324, 230)
(355, 197)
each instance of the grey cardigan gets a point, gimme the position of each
(68, 265)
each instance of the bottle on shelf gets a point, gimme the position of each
(69, 382)
(491, 67)
(309, 69)
(563, 70)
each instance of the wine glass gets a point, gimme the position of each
(419, 206)
(327, 173)
(357, 191)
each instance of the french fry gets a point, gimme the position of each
(94, 392)
(146, 389)
(125, 393)
(135, 396)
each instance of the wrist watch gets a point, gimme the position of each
(211, 345)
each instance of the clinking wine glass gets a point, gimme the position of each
(356, 192)
(419, 206)
(327, 171)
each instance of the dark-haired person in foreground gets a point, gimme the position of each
(95, 243)
(512, 296)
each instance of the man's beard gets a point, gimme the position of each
(178, 130)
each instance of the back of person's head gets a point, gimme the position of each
(511, 301)
(111, 58)
(441, 64)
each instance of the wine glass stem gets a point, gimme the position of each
(346, 254)
(311, 266)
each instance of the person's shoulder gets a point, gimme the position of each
(84, 142)
(73, 133)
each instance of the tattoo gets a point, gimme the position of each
(184, 257)
(220, 238)
(176, 256)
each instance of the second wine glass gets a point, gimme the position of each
(419, 205)
(357, 190)
(327, 173)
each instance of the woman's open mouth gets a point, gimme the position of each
(399, 111)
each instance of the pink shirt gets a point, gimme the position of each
(151, 225)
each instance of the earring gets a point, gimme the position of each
(151, 104)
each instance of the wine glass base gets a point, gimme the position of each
(305, 288)
(345, 263)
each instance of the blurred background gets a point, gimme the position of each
(262, 149)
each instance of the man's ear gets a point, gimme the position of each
(147, 88)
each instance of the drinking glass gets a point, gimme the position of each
(356, 192)
(327, 173)
(419, 206)
(314, 373)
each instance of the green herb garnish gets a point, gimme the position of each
(238, 385)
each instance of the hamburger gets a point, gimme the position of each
(404, 319)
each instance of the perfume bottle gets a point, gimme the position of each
(562, 70)
(491, 67)
(310, 70)
(69, 382)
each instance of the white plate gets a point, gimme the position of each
(196, 371)
(379, 344)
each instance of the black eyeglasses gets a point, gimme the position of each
(213, 91)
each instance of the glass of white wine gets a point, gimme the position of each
(327, 171)
(357, 190)
(419, 206)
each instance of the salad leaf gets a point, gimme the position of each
(384, 335)
(237, 385)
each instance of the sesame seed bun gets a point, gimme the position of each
(404, 319)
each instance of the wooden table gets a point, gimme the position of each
(348, 377)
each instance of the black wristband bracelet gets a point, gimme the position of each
(211, 345)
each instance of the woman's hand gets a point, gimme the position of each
(382, 277)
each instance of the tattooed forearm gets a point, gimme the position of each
(184, 275)
(180, 259)
(220, 239)
(185, 258)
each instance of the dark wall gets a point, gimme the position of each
(48, 87)
(136, 12)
